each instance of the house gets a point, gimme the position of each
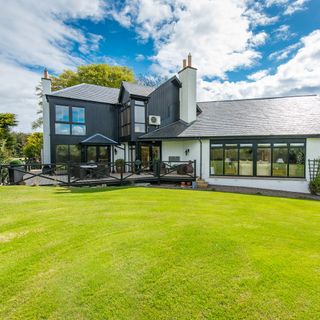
(260, 143)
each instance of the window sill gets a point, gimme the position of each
(259, 178)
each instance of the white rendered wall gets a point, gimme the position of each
(188, 94)
(178, 147)
(46, 152)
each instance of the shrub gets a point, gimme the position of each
(16, 162)
(314, 185)
(119, 163)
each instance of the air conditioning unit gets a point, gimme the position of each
(154, 120)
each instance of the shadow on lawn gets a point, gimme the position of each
(66, 190)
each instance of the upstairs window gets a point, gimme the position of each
(139, 116)
(70, 120)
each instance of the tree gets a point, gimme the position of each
(19, 141)
(99, 74)
(32, 149)
(7, 121)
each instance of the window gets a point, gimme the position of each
(66, 153)
(246, 160)
(75, 153)
(62, 128)
(67, 123)
(231, 160)
(78, 129)
(261, 159)
(139, 117)
(264, 160)
(78, 115)
(216, 154)
(296, 160)
(280, 160)
(62, 113)
(62, 153)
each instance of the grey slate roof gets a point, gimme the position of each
(137, 89)
(98, 139)
(89, 92)
(298, 115)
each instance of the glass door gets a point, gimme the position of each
(145, 157)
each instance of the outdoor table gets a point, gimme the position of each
(89, 169)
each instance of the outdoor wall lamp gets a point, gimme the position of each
(115, 151)
(187, 151)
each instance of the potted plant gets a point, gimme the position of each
(120, 165)
(16, 171)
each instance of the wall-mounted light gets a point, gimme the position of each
(115, 151)
(187, 152)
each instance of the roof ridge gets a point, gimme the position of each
(64, 89)
(262, 98)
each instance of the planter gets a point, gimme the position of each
(16, 176)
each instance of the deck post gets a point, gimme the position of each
(121, 174)
(69, 173)
(159, 163)
(195, 170)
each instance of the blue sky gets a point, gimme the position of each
(242, 48)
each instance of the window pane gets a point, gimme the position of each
(78, 129)
(139, 103)
(139, 114)
(61, 153)
(139, 127)
(296, 162)
(231, 162)
(91, 154)
(75, 153)
(62, 128)
(216, 167)
(103, 154)
(62, 113)
(264, 162)
(78, 115)
(280, 162)
(246, 162)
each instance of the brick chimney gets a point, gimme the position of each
(188, 91)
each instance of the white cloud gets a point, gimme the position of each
(258, 75)
(220, 40)
(291, 6)
(285, 53)
(283, 33)
(299, 75)
(297, 5)
(140, 57)
(34, 34)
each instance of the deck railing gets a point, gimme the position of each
(109, 173)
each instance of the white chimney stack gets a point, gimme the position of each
(188, 92)
(46, 89)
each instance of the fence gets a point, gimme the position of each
(109, 173)
(314, 168)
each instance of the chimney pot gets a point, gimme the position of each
(45, 73)
(184, 64)
(189, 60)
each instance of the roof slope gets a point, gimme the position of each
(137, 89)
(89, 92)
(98, 139)
(299, 115)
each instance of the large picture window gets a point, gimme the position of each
(70, 120)
(258, 158)
(125, 121)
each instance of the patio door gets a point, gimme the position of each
(148, 153)
(98, 154)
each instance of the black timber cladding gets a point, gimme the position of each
(164, 102)
(99, 118)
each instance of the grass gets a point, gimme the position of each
(143, 253)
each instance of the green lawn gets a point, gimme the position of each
(143, 253)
